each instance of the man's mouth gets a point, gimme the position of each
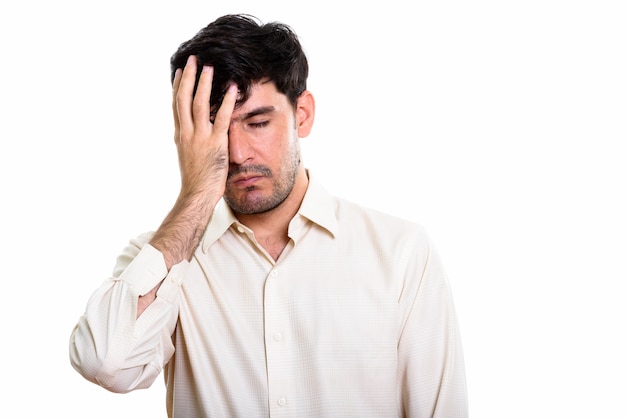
(247, 176)
(245, 180)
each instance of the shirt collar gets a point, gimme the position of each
(318, 206)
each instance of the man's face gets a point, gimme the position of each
(264, 151)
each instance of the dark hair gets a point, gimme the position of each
(244, 51)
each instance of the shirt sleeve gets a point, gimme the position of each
(109, 346)
(430, 356)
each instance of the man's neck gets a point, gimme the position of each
(271, 227)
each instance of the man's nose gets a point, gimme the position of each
(239, 148)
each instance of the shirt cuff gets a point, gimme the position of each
(145, 271)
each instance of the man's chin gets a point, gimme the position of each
(248, 204)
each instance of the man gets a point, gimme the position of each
(260, 294)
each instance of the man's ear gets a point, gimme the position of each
(305, 113)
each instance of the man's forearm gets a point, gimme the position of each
(180, 233)
(178, 237)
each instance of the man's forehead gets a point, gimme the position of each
(263, 98)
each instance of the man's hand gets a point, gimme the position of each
(203, 159)
(202, 145)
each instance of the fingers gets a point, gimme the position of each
(192, 115)
(176, 84)
(183, 95)
(222, 118)
(201, 103)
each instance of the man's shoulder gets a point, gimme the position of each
(357, 214)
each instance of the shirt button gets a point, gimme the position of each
(274, 273)
(281, 401)
(278, 336)
(240, 229)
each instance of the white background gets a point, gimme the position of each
(499, 125)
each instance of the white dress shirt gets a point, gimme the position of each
(355, 319)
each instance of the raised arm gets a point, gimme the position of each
(203, 159)
(113, 344)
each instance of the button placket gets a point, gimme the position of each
(276, 297)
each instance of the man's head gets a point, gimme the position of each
(273, 111)
(244, 51)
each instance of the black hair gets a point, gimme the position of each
(242, 50)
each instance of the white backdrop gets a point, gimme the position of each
(500, 126)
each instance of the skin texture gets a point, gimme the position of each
(250, 155)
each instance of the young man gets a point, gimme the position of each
(260, 294)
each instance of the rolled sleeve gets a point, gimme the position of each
(145, 271)
(113, 348)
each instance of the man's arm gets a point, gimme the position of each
(430, 353)
(203, 159)
(117, 343)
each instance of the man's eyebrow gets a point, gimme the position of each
(258, 111)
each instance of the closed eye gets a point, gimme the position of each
(259, 124)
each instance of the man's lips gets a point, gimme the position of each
(245, 180)
(246, 176)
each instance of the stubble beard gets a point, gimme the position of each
(250, 203)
